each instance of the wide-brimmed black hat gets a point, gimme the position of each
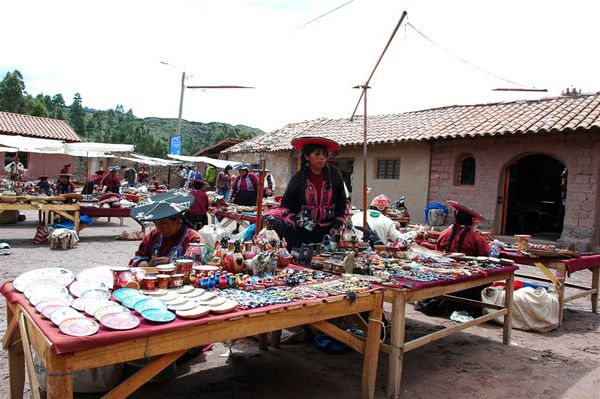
(163, 206)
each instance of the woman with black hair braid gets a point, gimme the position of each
(314, 203)
(460, 237)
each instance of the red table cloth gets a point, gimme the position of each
(65, 343)
(572, 264)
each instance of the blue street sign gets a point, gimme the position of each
(175, 145)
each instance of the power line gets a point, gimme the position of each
(463, 60)
(321, 16)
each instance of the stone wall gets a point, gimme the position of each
(580, 152)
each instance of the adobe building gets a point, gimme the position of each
(42, 128)
(530, 167)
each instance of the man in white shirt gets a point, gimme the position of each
(381, 224)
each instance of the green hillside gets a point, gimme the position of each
(150, 136)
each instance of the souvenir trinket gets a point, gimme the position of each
(163, 281)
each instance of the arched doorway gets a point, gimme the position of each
(535, 191)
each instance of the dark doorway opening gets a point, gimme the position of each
(536, 191)
(346, 168)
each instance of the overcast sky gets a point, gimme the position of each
(110, 51)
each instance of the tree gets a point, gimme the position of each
(36, 107)
(58, 106)
(77, 115)
(12, 92)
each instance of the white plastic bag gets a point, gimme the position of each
(533, 309)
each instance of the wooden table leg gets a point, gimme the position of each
(263, 341)
(397, 345)
(35, 389)
(595, 286)
(561, 294)
(76, 221)
(508, 302)
(371, 355)
(16, 360)
(275, 338)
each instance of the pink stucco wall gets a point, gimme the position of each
(580, 152)
(39, 164)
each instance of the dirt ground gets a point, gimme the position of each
(564, 363)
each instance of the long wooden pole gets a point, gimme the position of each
(365, 88)
(259, 196)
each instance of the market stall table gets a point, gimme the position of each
(47, 211)
(62, 355)
(564, 268)
(417, 291)
(97, 212)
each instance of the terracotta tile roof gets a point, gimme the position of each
(551, 115)
(35, 126)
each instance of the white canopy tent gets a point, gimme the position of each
(219, 163)
(31, 144)
(90, 147)
(154, 161)
(148, 162)
(8, 149)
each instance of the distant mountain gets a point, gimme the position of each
(197, 135)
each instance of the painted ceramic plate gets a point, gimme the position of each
(95, 293)
(226, 307)
(216, 301)
(131, 300)
(35, 298)
(52, 302)
(59, 315)
(58, 275)
(108, 309)
(92, 306)
(187, 305)
(79, 303)
(48, 310)
(100, 274)
(178, 301)
(122, 293)
(195, 313)
(79, 327)
(168, 297)
(158, 315)
(195, 293)
(80, 286)
(120, 321)
(46, 287)
(155, 293)
(206, 296)
(150, 303)
(186, 289)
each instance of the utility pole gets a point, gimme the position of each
(181, 103)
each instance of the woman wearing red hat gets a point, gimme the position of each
(64, 185)
(460, 237)
(314, 200)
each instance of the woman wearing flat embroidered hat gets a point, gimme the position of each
(170, 238)
(460, 237)
(314, 202)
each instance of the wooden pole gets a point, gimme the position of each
(365, 189)
(259, 196)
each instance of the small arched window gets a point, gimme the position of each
(465, 170)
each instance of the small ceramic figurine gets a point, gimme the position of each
(349, 262)
(271, 263)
